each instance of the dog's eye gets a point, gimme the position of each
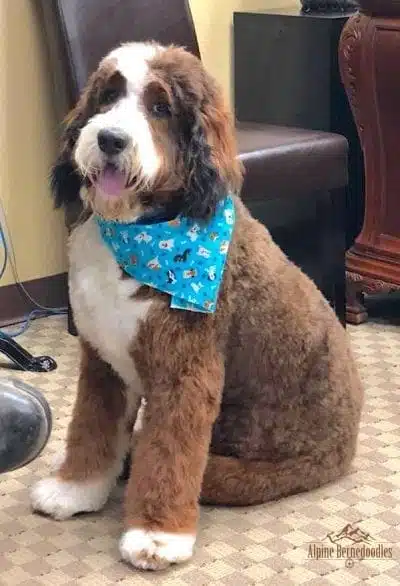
(108, 96)
(161, 110)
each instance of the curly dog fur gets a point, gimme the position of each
(259, 400)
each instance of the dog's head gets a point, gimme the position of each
(150, 129)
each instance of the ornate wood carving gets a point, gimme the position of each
(356, 286)
(349, 60)
(369, 54)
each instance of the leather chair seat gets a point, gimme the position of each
(295, 184)
(281, 161)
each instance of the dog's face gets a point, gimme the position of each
(150, 129)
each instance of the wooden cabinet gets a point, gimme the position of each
(369, 56)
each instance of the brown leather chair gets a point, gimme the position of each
(295, 179)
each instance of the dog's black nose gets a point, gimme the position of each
(112, 140)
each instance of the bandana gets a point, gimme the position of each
(181, 257)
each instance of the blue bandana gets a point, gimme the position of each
(180, 257)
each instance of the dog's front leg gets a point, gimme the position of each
(170, 457)
(96, 443)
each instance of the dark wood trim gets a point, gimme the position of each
(373, 262)
(48, 291)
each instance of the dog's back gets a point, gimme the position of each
(292, 390)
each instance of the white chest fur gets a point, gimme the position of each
(104, 312)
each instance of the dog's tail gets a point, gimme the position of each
(233, 481)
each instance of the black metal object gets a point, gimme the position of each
(25, 424)
(22, 358)
(328, 5)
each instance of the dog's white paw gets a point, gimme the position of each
(154, 550)
(62, 500)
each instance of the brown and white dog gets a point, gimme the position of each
(254, 402)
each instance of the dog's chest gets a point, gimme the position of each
(105, 313)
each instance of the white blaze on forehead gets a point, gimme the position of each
(140, 159)
(132, 61)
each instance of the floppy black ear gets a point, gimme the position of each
(204, 186)
(65, 181)
(212, 169)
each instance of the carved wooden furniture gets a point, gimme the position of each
(369, 57)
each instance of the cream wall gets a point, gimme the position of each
(27, 144)
(213, 21)
(29, 125)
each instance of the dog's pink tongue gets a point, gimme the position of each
(110, 182)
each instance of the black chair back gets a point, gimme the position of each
(81, 32)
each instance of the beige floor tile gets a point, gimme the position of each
(261, 545)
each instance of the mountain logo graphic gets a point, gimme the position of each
(351, 533)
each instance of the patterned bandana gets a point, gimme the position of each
(180, 257)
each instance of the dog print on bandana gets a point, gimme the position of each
(181, 257)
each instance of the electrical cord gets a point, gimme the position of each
(9, 257)
(5, 255)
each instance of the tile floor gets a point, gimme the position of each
(268, 544)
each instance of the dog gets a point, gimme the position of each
(252, 402)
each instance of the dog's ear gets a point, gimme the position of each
(65, 179)
(211, 165)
